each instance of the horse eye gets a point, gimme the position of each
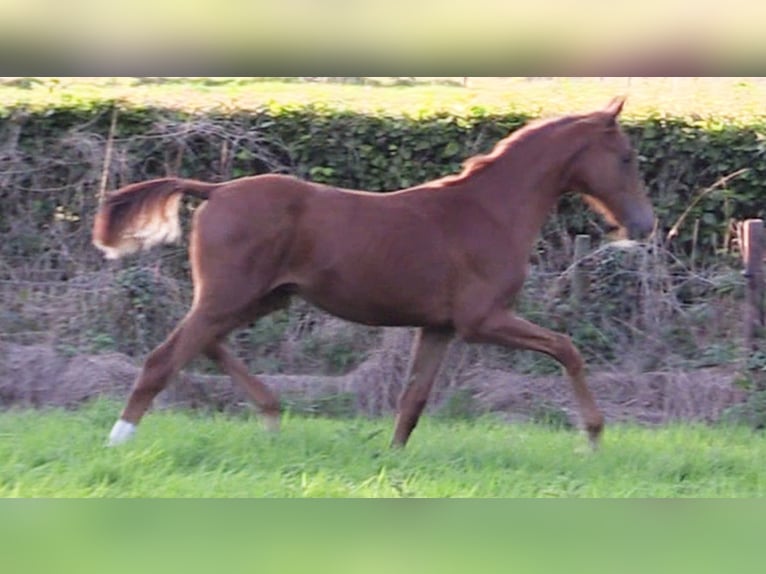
(626, 159)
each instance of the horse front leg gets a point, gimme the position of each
(504, 328)
(428, 350)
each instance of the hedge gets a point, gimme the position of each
(52, 161)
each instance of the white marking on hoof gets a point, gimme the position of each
(122, 431)
(271, 423)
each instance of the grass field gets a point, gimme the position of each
(737, 99)
(62, 454)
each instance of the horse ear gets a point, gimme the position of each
(614, 108)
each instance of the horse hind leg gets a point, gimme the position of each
(200, 331)
(193, 334)
(428, 350)
(266, 400)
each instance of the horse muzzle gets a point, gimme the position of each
(642, 226)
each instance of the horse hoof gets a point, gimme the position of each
(271, 423)
(594, 430)
(594, 439)
(122, 431)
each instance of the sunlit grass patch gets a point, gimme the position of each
(179, 454)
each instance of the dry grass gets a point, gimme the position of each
(38, 376)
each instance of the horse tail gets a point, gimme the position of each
(142, 215)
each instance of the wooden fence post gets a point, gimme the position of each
(752, 246)
(579, 276)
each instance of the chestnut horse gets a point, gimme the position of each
(448, 257)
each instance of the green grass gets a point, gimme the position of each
(177, 454)
(738, 99)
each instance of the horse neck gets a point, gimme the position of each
(524, 184)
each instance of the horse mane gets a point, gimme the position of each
(480, 162)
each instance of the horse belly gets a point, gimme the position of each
(380, 315)
(379, 303)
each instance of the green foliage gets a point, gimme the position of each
(331, 405)
(551, 416)
(139, 310)
(752, 412)
(337, 353)
(461, 404)
(265, 335)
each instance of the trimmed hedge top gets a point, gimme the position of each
(729, 100)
